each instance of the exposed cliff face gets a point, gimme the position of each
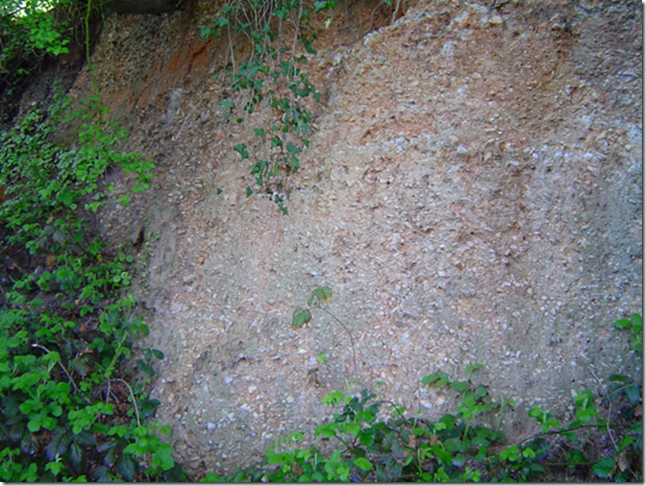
(472, 193)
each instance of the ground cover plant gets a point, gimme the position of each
(602, 441)
(69, 410)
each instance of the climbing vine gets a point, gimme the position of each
(269, 75)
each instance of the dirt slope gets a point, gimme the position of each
(472, 193)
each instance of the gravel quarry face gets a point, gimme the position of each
(472, 193)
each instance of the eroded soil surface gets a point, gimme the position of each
(472, 193)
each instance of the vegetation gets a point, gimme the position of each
(270, 76)
(604, 438)
(31, 32)
(73, 377)
(69, 408)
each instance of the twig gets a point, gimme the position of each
(185, 120)
(558, 432)
(132, 399)
(608, 427)
(354, 356)
(397, 5)
(64, 371)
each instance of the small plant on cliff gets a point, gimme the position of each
(319, 297)
(271, 77)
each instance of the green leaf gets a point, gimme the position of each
(35, 424)
(58, 445)
(323, 294)
(301, 317)
(111, 456)
(510, 454)
(333, 398)
(101, 474)
(54, 467)
(149, 406)
(473, 367)
(366, 439)
(634, 394)
(132, 448)
(575, 456)
(604, 467)
(459, 460)
(622, 323)
(126, 467)
(617, 377)
(221, 21)
(430, 378)
(76, 456)
(460, 385)
(13, 342)
(105, 446)
(320, 6)
(165, 454)
(363, 463)
(226, 104)
(529, 453)
(119, 430)
(241, 148)
(145, 368)
(293, 149)
(85, 438)
(569, 435)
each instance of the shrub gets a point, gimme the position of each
(67, 409)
